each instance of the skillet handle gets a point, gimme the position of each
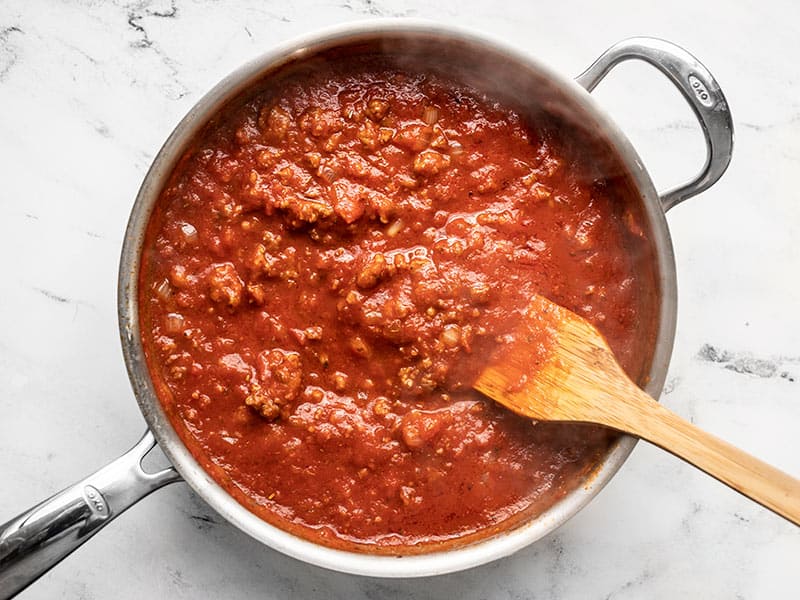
(39, 538)
(700, 90)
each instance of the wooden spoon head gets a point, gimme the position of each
(556, 367)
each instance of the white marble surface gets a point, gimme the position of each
(88, 92)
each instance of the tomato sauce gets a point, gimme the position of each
(327, 270)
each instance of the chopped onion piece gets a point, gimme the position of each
(406, 180)
(451, 336)
(395, 228)
(189, 233)
(326, 173)
(163, 289)
(174, 323)
(456, 149)
(430, 115)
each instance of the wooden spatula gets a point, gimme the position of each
(558, 367)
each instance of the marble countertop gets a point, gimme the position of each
(89, 91)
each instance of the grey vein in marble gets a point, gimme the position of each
(746, 364)
(375, 9)
(137, 17)
(9, 54)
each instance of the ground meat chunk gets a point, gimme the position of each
(486, 179)
(352, 200)
(281, 264)
(225, 285)
(275, 122)
(430, 162)
(257, 293)
(280, 375)
(289, 189)
(360, 348)
(321, 123)
(373, 271)
(307, 210)
(348, 202)
(377, 108)
(263, 403)
(420, 428)
(369, 135)
(414, 137)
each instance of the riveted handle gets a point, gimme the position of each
(700, 90)
(39, 538)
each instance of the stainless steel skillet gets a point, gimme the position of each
(37, 539)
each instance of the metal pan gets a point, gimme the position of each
(37, 539)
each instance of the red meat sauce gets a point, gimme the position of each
(326, 272)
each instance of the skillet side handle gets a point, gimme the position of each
(41, 537)
(700, 90)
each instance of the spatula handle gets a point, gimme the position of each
(746, 474)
